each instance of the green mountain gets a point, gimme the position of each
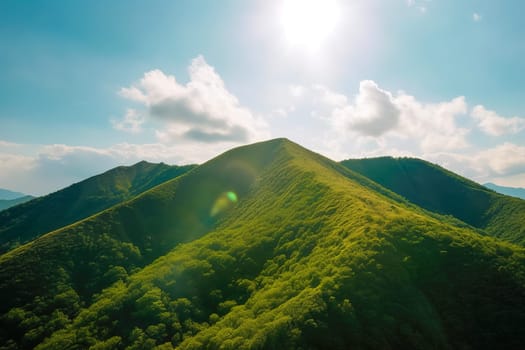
(441, 191)
(509, 191)
(23, 223)
(267, 246)
(8, 203)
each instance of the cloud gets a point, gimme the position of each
(51, 167)
(201, 110)
(378, 122)
(47, 171)
(433, 125)
(6, 144)
(372, 114)
(131, 122)
(383, 117)
(15, 174)
(191, 116)
(476, 17)
(504, 159)
(47, 168)
(493, 124)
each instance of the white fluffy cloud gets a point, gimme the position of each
(189, 118)
(373, 112)
(433, 125)
(201, 110)
(380, 115)
(495, 125)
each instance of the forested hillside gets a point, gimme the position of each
(268, 246)
(439, 190)
(62, 270)
(22, 223)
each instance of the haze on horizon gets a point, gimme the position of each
(88, 87)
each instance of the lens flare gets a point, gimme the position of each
(232, 196)
(223, 202)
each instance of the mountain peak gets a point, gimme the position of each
(268, 245)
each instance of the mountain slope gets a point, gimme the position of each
(310, 255)
(439, 190)
(509, 191)
(8, 203)
(25, 222)
(62, 270)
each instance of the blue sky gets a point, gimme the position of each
(90, 85)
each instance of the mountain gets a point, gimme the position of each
(509, 191)
(8, 203)
(23, 223)
(266, 246)
(439, 190)
(8, 195)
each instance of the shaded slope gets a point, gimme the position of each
(312, 258)
(50, 278)
(8, 203)
(25, 222)
(439, 190)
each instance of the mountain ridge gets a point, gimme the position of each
(308, 255)
(442, 191)
(24, 222)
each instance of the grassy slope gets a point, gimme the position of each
(442, 191)
(311, 258)
(63, 269)
(25, 222)
(8, 203)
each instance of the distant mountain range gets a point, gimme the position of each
(8, 195)
(269, 246)
(509, 191)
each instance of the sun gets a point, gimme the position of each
(307, 23)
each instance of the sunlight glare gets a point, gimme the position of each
(307, 23)
(223, 202)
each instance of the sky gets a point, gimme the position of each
(87, 86)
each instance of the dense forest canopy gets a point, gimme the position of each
(269, 246)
